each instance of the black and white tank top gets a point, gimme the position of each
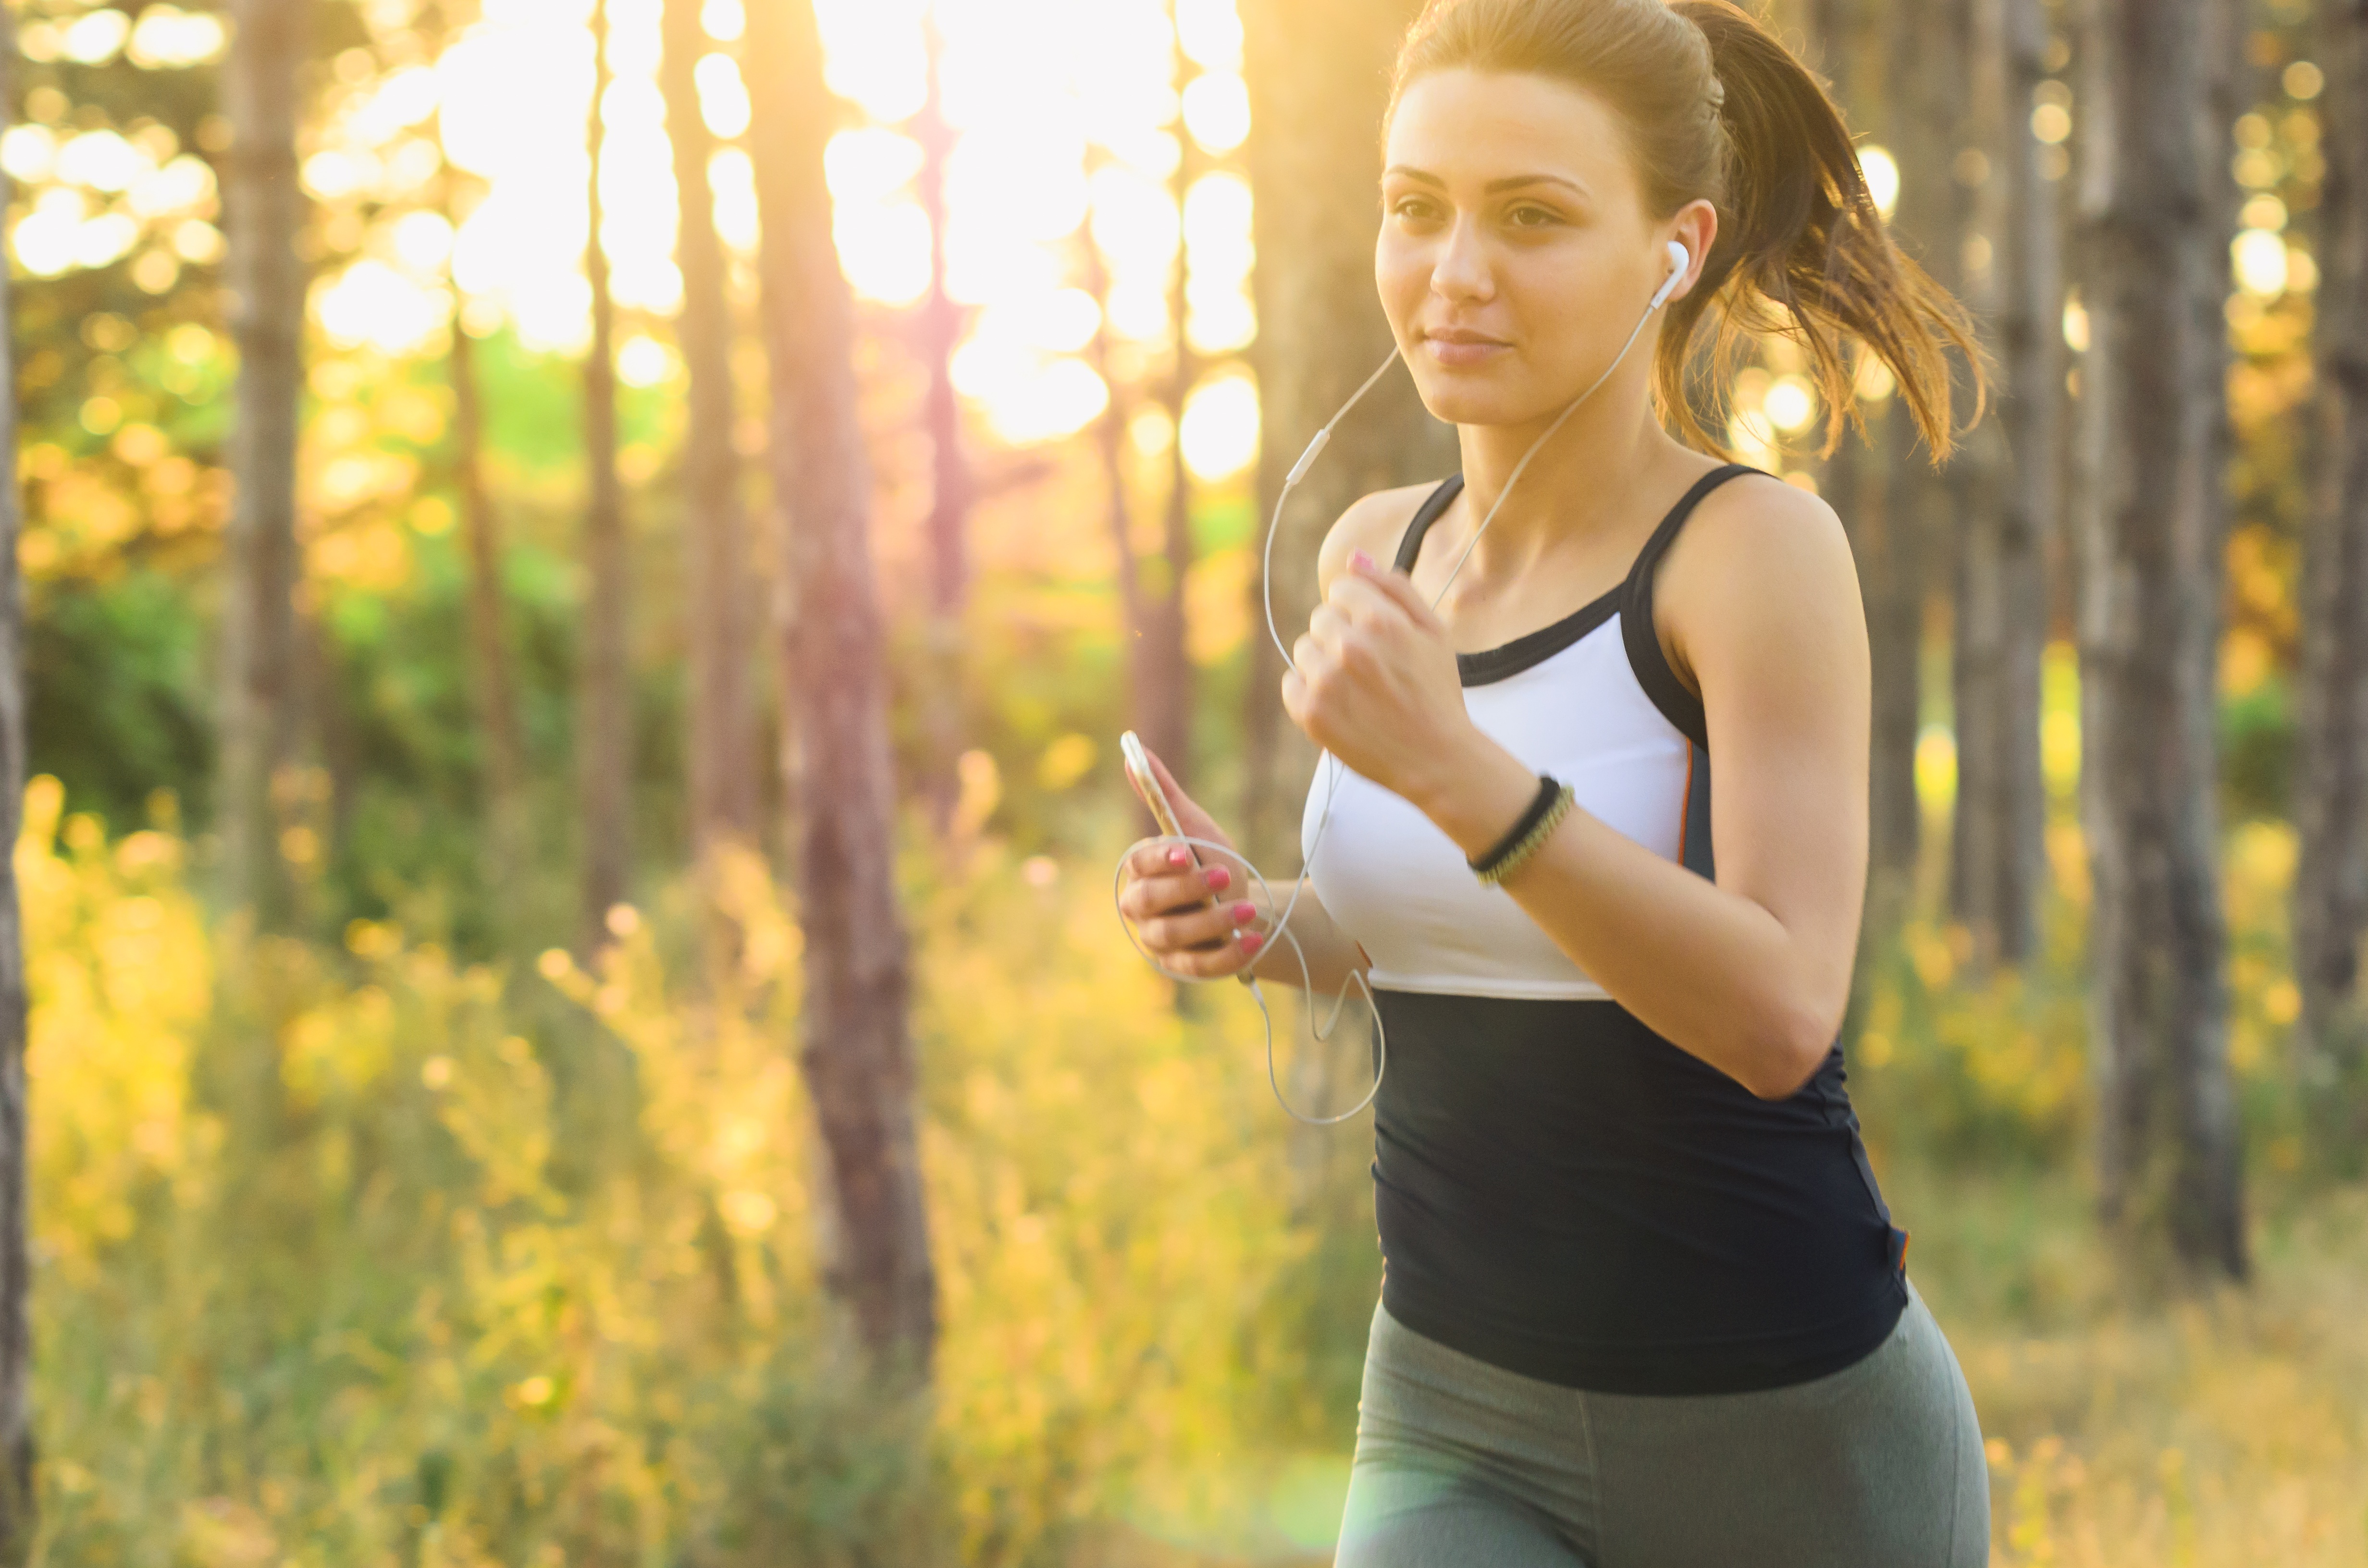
(1559, 1190)
(1571, 699)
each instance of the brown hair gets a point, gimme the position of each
(1717, 108)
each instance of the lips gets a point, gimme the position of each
(1454, 347)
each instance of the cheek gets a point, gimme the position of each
(1401, 274)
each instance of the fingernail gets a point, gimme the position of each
(1219, 877)
(1244, 910)
(1252, 941)
(1176, 857)
(1360, 561)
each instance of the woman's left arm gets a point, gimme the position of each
(1751, 973)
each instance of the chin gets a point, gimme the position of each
(1458, 400)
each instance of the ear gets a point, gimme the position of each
(1696, 232)
(1680, 263)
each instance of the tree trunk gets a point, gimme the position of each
(1110, 445)
(498, 716)
(604, 746)
(1318, 73)
(1997, 846)
(1927, 66)
(858, 1052)
(940, 330)
(2151, 542)
(723, 760)
(1851, 40)
(1164, 672)
(2331, 897)
(263, 208)
(16, 1496)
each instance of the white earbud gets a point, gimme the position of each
(1680, 259)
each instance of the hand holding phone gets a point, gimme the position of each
(1190, 919)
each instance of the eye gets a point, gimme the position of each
(1529, 215)
(1413, 209)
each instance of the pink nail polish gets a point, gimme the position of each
(1220, 877)
(1244, 910)
(1176, 857)
(1359, 559)
(1252, 941)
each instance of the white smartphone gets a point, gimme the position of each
(1147, 784)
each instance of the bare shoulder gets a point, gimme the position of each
(1759, 558)
(1373, 523)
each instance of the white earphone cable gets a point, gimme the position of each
(1281, 925)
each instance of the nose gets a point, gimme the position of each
(1460, 273)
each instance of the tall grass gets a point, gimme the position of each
(357, 1255)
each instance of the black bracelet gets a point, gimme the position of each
(1548, 787)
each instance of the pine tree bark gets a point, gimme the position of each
(856, 1048)
(604, 745)
(263, 208)
(1109, 446)
(1997, 846)
(1162, 671)
(1852, 38)
(18, 1508)
(2151, 538)
(2330, 896)
(1318, 78)
(939, 331)
(723, 760)
(497, 715)
(1922, 505)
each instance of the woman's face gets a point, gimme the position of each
(1514, 253)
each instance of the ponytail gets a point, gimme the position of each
(1802, 249)
(1721, 109)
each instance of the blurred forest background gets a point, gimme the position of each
(578, 566)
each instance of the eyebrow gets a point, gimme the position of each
(1511, 182)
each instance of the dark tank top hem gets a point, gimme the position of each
(1731, 1365)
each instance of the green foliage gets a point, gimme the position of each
(114, 675)
(2256, 749)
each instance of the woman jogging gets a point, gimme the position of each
(1643, 1303)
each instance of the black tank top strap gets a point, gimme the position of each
(1678, 705)
(1435, 503)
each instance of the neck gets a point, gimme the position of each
(1578, 480)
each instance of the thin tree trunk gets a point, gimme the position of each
(2032, 265)
(2152, 539)
(498, 716)
(16, 1497)
(1110, 445)
(1853, 44)
(723, 761)
(940, 330)
(2331, 897)
(1164, 673)
(604, 747)
(857, 1049)
(1997, 847)
(1851, 40)
(1926, 68)
(263, 209)
(1318, 73)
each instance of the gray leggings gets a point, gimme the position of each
(1879, 1465)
